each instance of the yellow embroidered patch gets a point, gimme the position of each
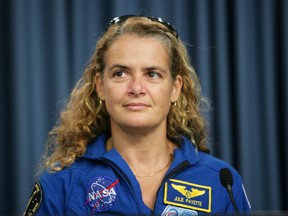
(35, 200)
(188, 195)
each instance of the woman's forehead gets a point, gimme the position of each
(131, 48)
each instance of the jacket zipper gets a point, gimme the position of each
(172, 173)
(124, 176)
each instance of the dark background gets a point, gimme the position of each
(238, 47)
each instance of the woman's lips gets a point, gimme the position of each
(136, 106)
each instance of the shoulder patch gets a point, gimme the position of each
(188, 195)
(34, 201)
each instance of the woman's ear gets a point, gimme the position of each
(177, 86)
(98, 81)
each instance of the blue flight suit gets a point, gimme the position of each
(102, 182)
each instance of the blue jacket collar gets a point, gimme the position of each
(97, 149)
(189, 150)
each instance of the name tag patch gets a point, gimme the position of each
(188, 195)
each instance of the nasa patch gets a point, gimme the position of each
(34, 201)
(101, 194)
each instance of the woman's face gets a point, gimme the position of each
(137, 86)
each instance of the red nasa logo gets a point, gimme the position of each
(101, 194)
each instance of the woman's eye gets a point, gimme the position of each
(153, 75)
(119, 73)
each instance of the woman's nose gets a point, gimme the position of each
(137, 86)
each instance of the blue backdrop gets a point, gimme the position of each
(239, 49)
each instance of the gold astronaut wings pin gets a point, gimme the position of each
(188, 193)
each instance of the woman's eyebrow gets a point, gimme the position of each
(117, 66)
(149, 68)
(156, 68)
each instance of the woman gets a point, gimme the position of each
(131, 139)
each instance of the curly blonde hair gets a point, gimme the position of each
(84, 117)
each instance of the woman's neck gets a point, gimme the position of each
(149, 156)
(143, 153)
